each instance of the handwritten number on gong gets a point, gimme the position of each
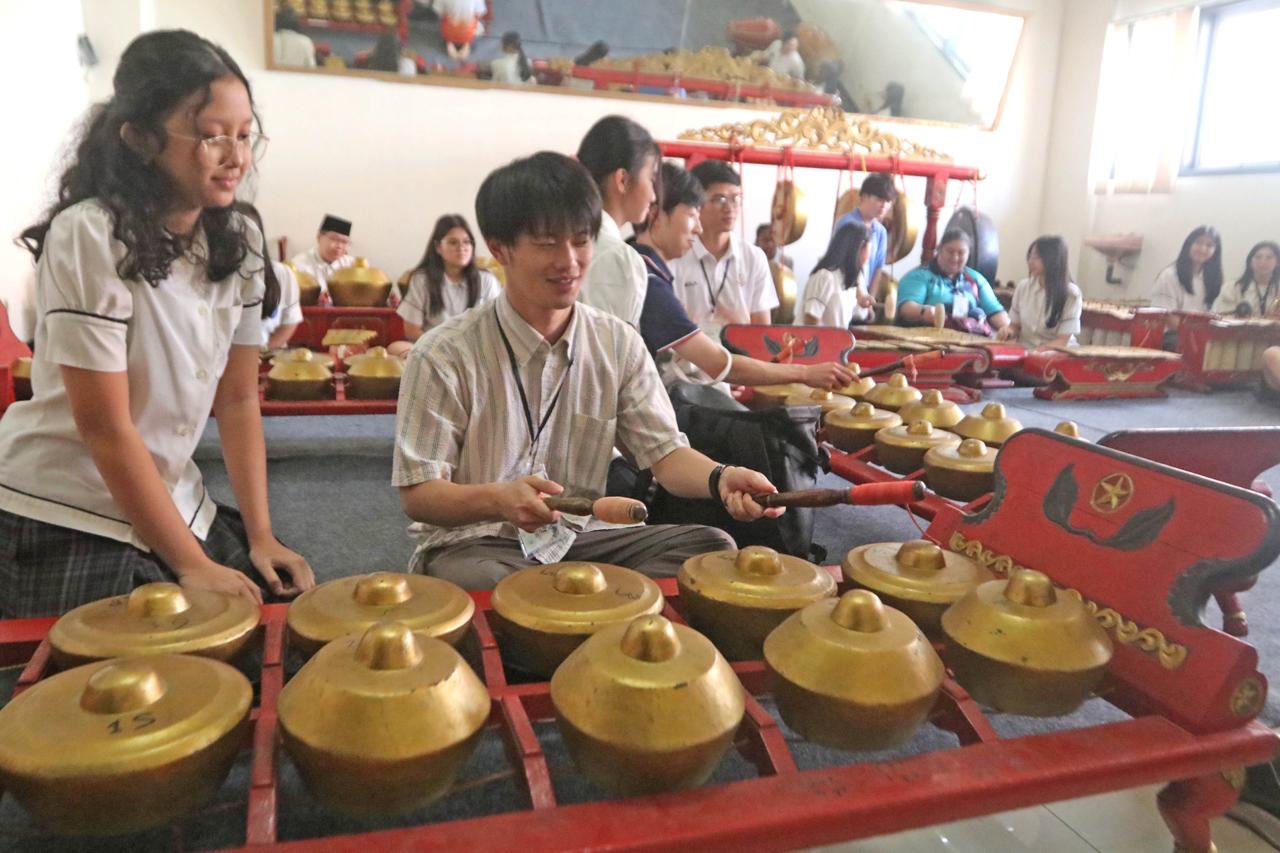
(137, 722)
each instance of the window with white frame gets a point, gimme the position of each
(1237, 126)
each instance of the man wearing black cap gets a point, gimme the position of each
(329, 254)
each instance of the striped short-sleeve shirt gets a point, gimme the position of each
(461, 418)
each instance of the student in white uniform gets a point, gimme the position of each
(146, 322)
(1046, 304)
(329, 254)
(279, 326)
(278, 321)
(721, 280)
(783, 56)
(1257, 291)
(445, 283)
(1192, 282)
(513, 66)
(623, 160)
(290, 45)
(835, 294)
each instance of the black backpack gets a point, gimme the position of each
(780, 443)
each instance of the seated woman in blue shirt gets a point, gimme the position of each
(944, 288)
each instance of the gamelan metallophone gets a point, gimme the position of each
(1117, 324)
(317, 320)
(1140, 543)
(1093, 372)
(1223, 351)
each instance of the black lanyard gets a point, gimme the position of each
(714, 296)
(534, 435)
(1264, 296)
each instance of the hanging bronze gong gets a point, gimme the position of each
(902, 226)
(788, 215)
(784, 284)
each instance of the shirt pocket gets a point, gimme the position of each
(591, 448)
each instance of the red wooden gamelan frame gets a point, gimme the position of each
(11, 349)
(1190, 719)
(937, 173)
(1197, 330)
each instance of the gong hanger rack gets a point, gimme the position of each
(937, 173)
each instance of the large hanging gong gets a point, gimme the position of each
(984, 254)
(898, 222)
(788, 216)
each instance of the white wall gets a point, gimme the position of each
(45, 95)
(393, 157)
(1244, 207)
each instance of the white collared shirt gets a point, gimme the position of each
(452, 293)
(460, 415)
(1030, 308)
(1168, 293)
(718, 292)
(311, 262)
(293, 48)
(289, 311)
(826, 299)
(172, 341)
(506, 69)
(617, 278)
(1257, 296)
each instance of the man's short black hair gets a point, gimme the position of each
(710, 172)
(674, 186)
(679, 186)
(880, 185)
(547, 194)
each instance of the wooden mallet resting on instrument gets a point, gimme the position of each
(612, 510)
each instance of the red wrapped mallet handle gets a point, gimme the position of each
(869, 494)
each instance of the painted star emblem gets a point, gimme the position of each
(1111, 493)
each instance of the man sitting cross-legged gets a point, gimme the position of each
(527, 395)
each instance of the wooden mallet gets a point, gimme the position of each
(869, 494)
(609, 510)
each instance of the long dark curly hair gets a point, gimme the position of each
(157, 72)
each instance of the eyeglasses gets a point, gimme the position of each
(216, 150)
(457, 244)
(725, 200)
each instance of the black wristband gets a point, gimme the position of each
(713, 483)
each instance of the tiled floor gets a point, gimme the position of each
(1121, 822)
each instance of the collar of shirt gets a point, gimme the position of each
(701, 252)
(526, 340)
(609, 229)
(656, 261)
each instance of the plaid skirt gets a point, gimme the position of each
(46, 570)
